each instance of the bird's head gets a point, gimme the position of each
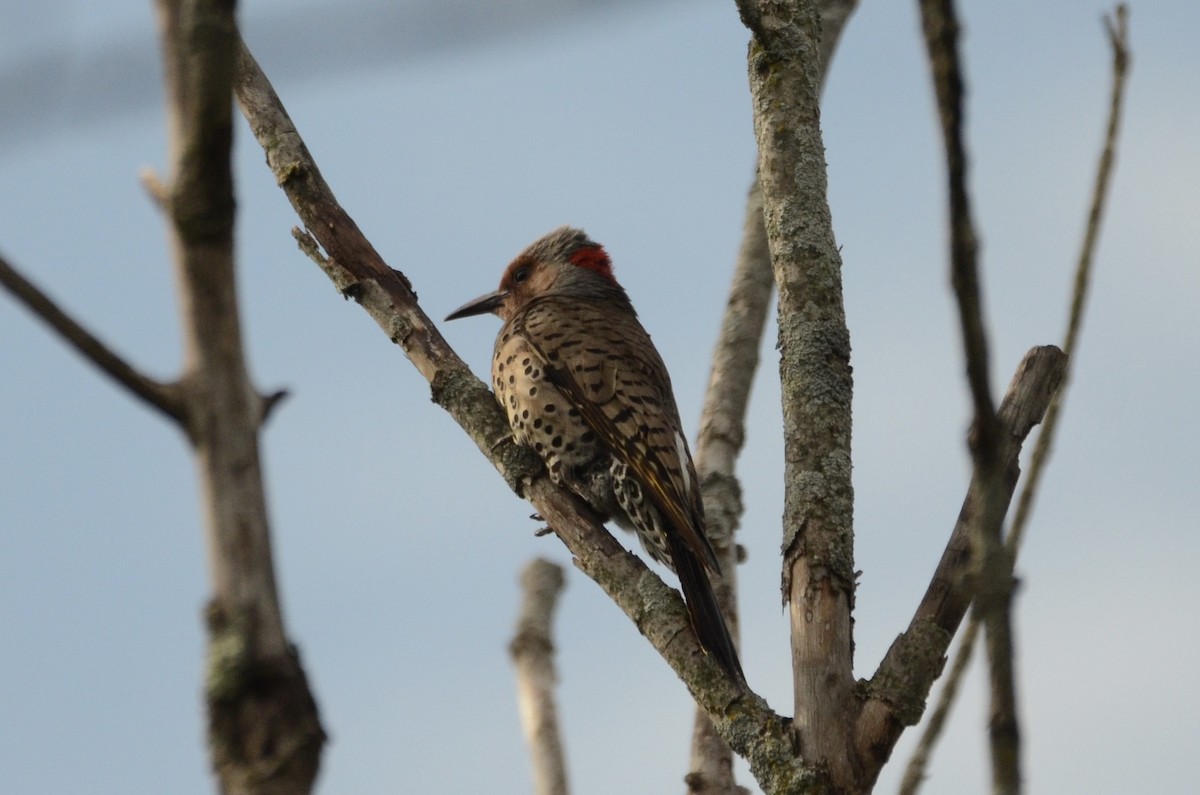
(566, 261)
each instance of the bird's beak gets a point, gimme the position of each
(484, 303)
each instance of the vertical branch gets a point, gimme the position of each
(264, 733)
(722, 421)
(532, 651)
(722, 434)
(814, 343)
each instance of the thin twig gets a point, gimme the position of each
(914, 773)
(940, 24)
(1119, 38)
(1118, 32)
(164, 397)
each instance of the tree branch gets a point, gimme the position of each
(163, 397)
(722, 434)
(722, 422)
(992, 565)
(264, 732)
(356, 269)
(914, 773)
(532, 651)
(814, 343)
(896, 693)
(940, 25)
(1118, 33)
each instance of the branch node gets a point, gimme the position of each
(158, 191)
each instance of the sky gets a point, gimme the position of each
(454, 140)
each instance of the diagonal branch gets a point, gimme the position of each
(940, 25)
(1118, 32)
(896, 693)
(357, 271)
(164, 397)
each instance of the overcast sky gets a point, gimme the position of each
(454, 140)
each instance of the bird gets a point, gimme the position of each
(583, 385)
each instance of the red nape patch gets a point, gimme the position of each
(594, 258)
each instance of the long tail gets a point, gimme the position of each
(702, 607)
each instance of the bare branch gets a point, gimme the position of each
(532, 651)
(165, 398)
(914, 773)
(897, 692)
(722, 422)
(1118, 31)
(722, 434)
(264, 732)
(743, 719)
(1119, 38)
(814, 344)
(992, 564)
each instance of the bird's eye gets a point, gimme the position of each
(520, 274)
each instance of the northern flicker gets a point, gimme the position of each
(584, 386)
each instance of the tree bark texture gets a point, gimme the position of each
(814, 344)
(722, 423)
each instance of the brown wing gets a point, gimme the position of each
(604, 362)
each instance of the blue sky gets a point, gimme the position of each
(454, 143)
